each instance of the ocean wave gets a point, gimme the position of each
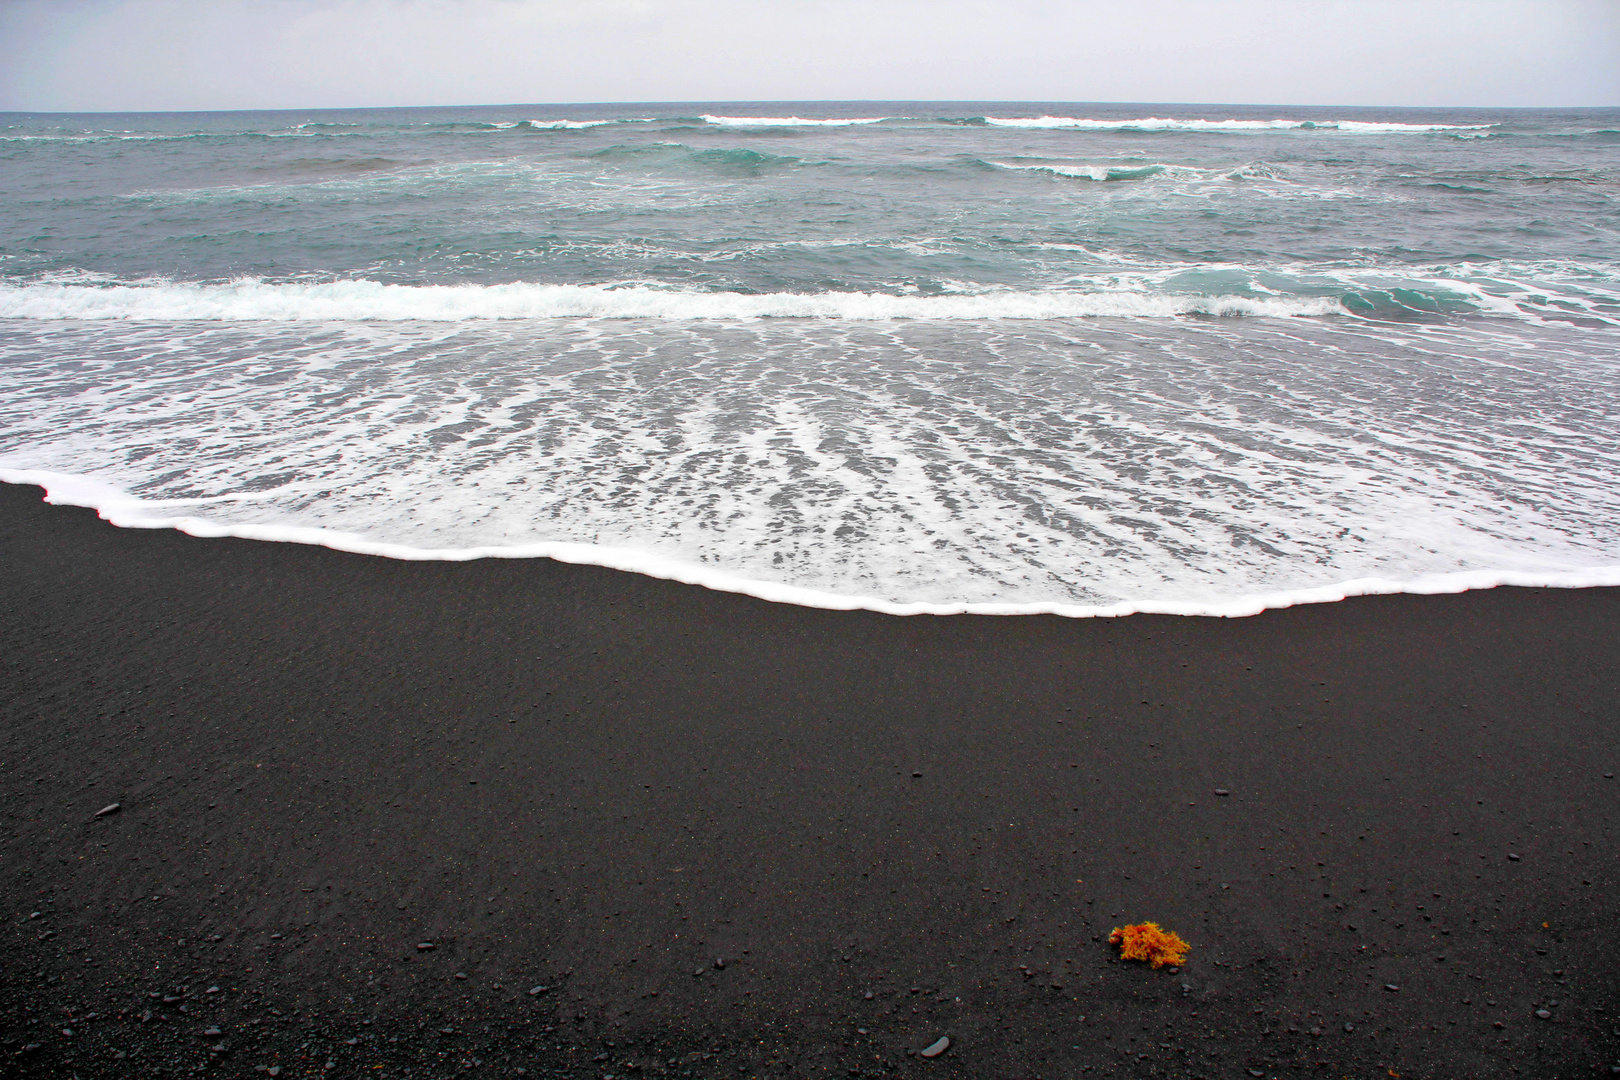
(250, 300)
(579, 125)
(725, 158)
(124, 510)
(1154, 123)
(790, 121)
(1115, 173)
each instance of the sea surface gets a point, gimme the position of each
(999, 357)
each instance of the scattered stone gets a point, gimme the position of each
(1222, 791)
(1512, 857)
(1544, 1014)
(425, 946)
(535, 991)
(938, 1047)
(1392, 988)
(274, 1070)
(719, 964)
(212, 1033)
(869, 995)
(698, 974)
(916, 776)
(461, 974)
(212, 990)
(113, 809)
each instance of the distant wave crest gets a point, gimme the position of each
(1155, 123)
(790, 121)
(253, 300)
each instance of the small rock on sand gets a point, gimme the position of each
(938, 1047)
(112, 809)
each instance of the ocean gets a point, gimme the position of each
(914, 357)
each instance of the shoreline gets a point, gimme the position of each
(118, 508)
(602, 783)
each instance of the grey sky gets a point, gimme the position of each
(240, 54)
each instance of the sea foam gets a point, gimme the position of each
(1156, 123)
(253, 300)
(791, 121)
(118, 507)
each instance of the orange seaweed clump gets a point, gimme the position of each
(1148, 941)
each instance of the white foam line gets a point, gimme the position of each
(790, 121)
(1159, 123)
(119, 508)
(249, 300)
(575, 125)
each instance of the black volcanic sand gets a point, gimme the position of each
(607, 786)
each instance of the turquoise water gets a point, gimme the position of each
(1093, 357)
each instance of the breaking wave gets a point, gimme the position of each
(1154, 123)
(790, 121)
(250, 300)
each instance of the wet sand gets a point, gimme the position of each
(733, 838)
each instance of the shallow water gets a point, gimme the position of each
(1081, 358)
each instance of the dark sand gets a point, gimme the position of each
(600, 783)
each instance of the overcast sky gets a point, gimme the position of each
(249, 54)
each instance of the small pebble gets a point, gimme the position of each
(1392, 988)
(1512, 857)
(719, 964)
(113, 809)
(916, 776)
(1545, 1014)
(1222, 791)
(425, 946)
(461, 974)
(942, 1044)
(537, 990)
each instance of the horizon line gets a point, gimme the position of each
(792, 101)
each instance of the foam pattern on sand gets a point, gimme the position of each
(1081, 468)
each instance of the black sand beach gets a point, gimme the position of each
(721, 837)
